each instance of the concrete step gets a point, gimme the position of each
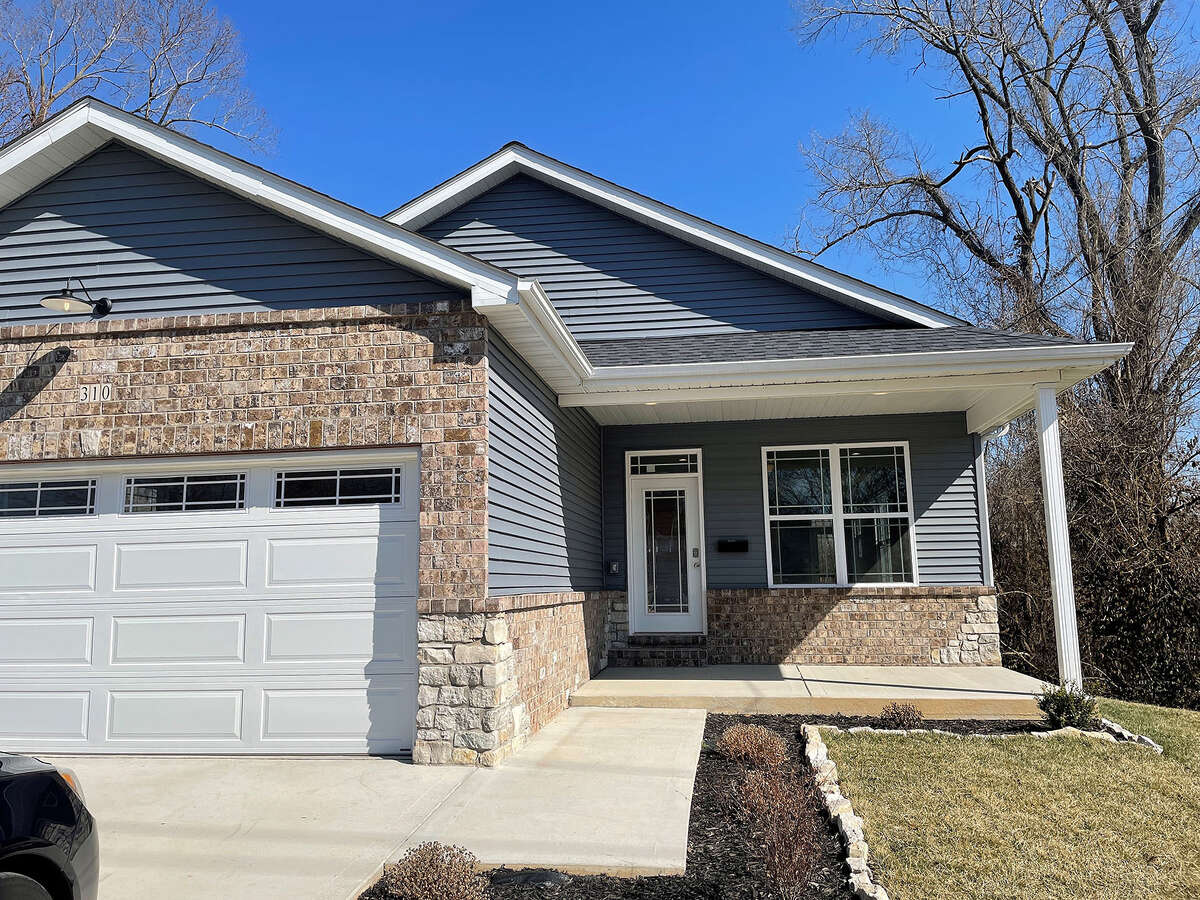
(657, 656)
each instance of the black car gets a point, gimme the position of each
(49, 849)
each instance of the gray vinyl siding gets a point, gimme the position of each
(943, 465)
(544, 508)
(157, 241)
(611, 277)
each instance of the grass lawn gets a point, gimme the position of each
(1027, 818)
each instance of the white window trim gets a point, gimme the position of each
(630, 481)
(838, 516)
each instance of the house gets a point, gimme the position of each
(322, 482)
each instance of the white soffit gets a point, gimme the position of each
(517, 158)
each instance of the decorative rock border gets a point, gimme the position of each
(1112, 732)
(1123, 734)
(850, 826)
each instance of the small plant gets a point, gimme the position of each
(786, 809)
(753, 745)
(901, 715)
(1068, 707)
(434, 871)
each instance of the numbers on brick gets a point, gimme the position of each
(94, 393)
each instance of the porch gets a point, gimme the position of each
(939, 692)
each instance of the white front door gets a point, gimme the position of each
(666, 558)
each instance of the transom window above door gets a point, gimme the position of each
(664, 463)
(838, 514)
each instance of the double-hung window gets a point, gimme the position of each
(838, 514)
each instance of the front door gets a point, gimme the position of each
(666, 575)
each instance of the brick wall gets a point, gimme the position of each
(884, 626)
(559, 642)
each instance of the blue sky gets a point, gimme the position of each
(698, 104)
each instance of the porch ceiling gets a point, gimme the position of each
(990, 392)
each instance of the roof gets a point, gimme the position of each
(768, 345)
(515, 158)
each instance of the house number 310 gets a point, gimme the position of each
(91, 393)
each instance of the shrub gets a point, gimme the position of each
(901, 715)
(1068, 707)
(753, 745)
(785, 807)
(434, 871)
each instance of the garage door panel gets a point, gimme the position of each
(40, 569)
(345, 635)
(187, 639)
(42, 716)
(336, 715)
(343, 560)
(46, 642)
(181, 565)
(183, 716)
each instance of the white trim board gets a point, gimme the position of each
(516, 158)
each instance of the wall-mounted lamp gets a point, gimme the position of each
(65, 301)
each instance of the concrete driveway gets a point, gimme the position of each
(203, 828)
(596, 790)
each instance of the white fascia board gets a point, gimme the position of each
(938, 364)
(88, 123)
(534, 328)
(513, 159)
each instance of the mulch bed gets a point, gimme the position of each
(725, 853)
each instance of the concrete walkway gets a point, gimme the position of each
(595, 790)
(938, 691)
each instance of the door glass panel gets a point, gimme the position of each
(666, 553)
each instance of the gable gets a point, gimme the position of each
(158, 241)
(611, 277)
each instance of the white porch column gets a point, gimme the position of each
(1062, 585)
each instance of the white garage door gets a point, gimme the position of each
(210, 605)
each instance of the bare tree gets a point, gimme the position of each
(1071, 208)
(175, 62)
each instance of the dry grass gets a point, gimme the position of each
(753, 745)
(1025, 818)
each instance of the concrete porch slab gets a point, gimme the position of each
(595, 791)
(940, 692)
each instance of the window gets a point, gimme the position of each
(838, 515)
(664, 464)
(339, 487)
(185, 493)
(33, 499)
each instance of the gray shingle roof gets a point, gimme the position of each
(758, 345)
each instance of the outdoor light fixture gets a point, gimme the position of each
(65, 301)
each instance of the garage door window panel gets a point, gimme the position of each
(185, 493)
(37, 499)
(339, 487)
